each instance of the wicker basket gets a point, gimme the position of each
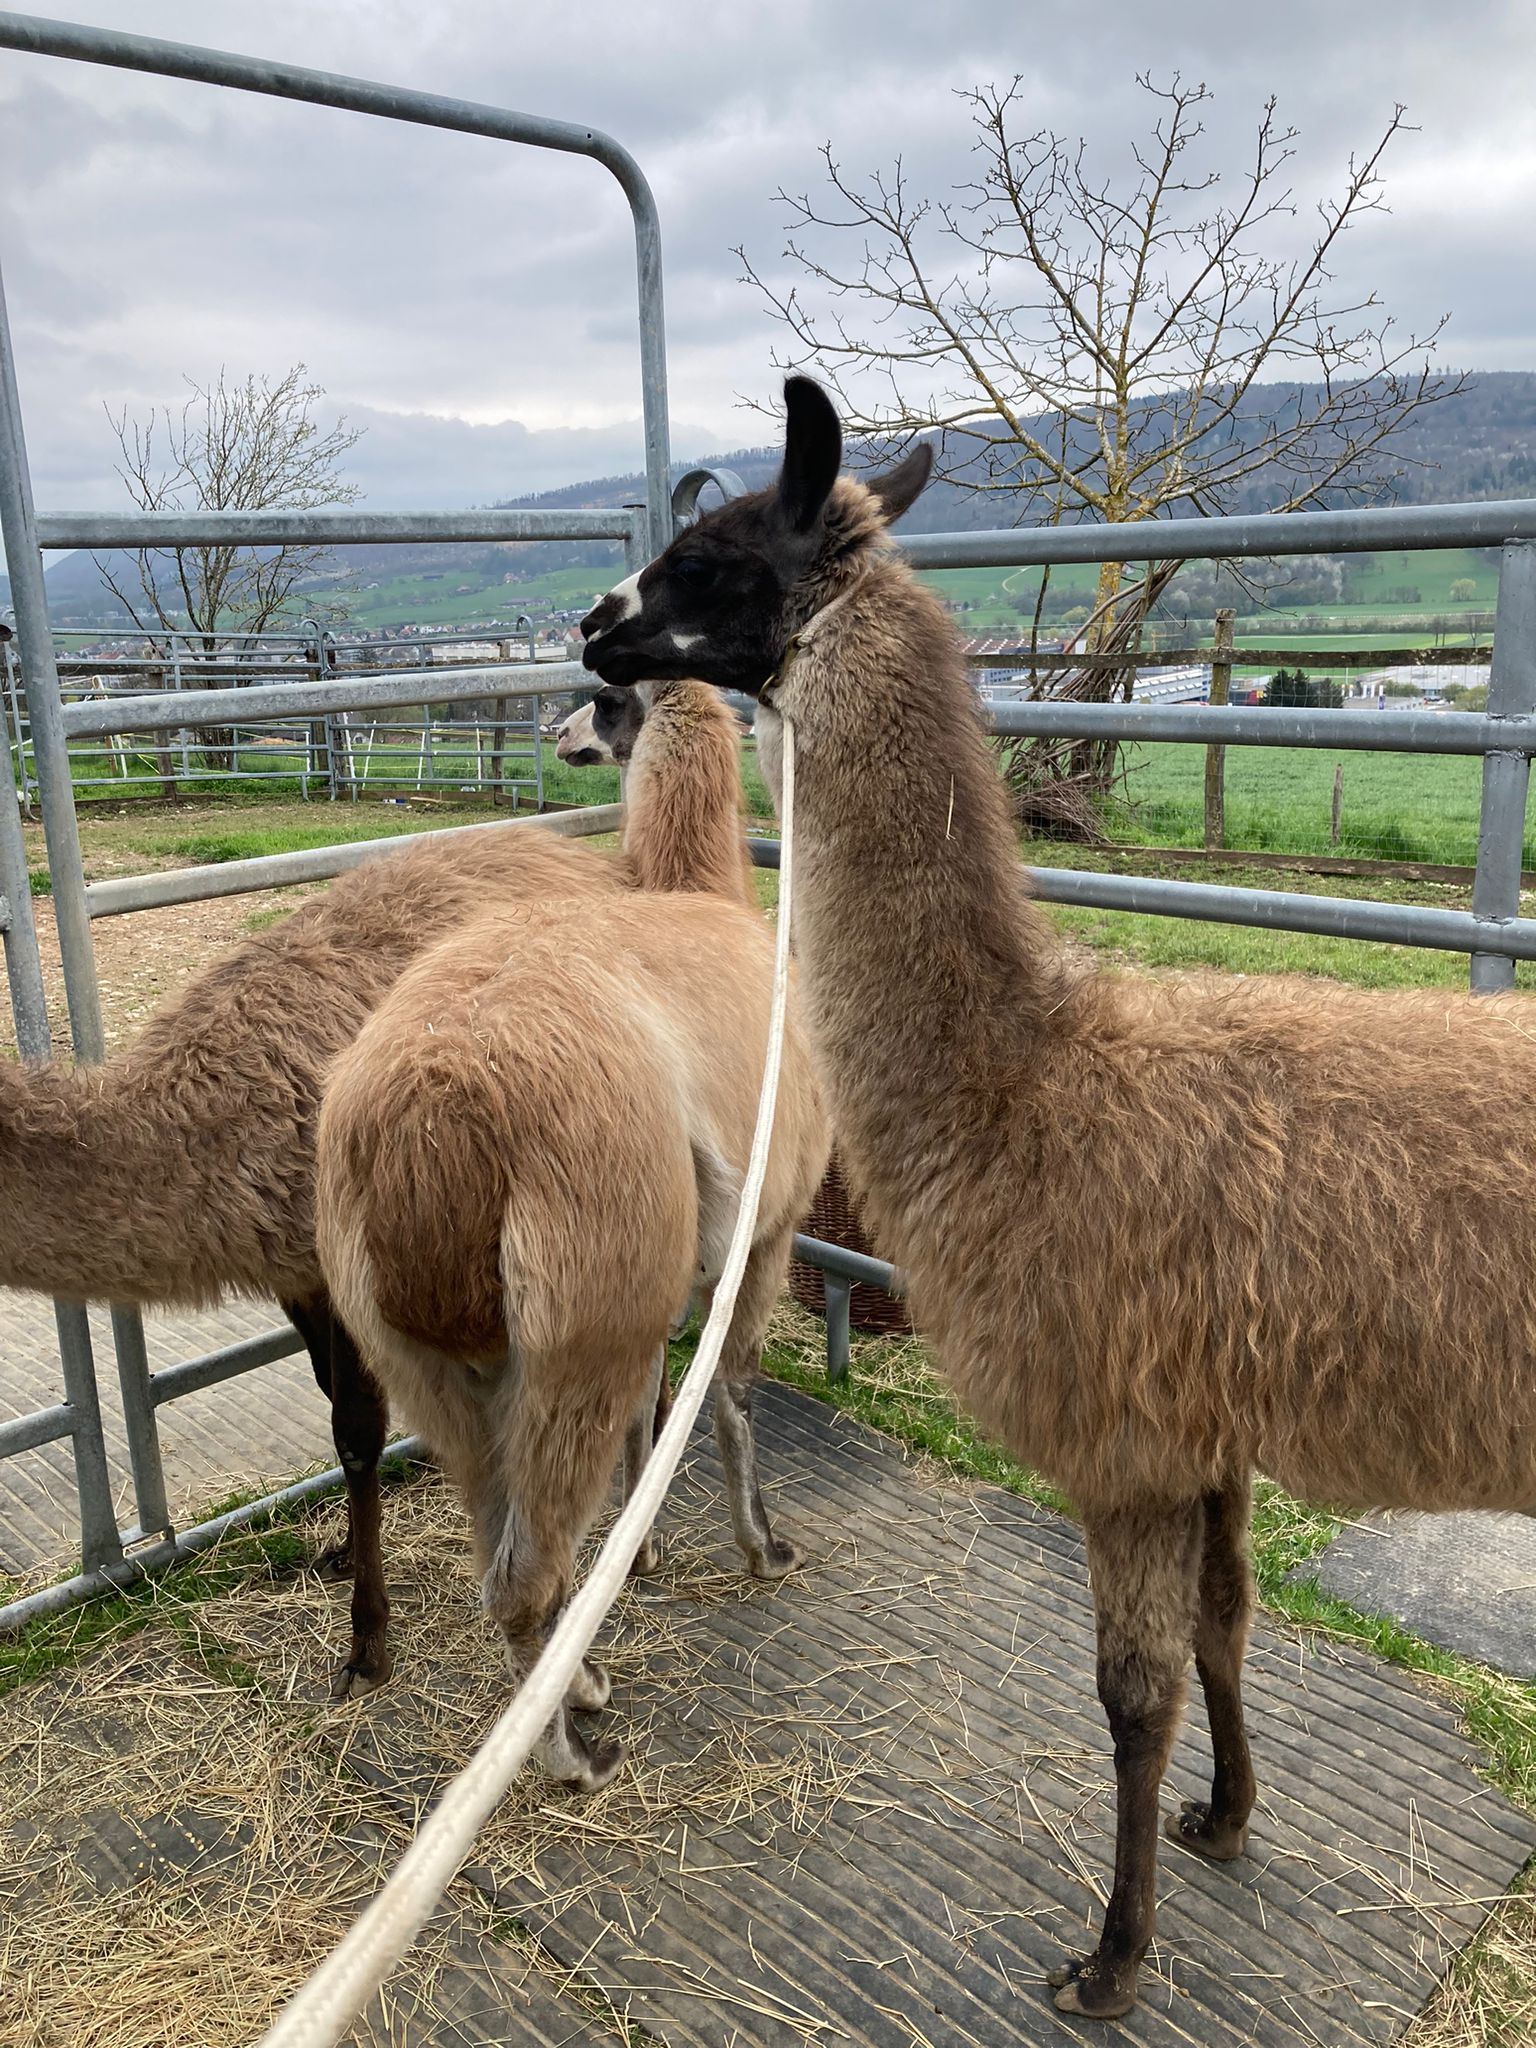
(835, 1218)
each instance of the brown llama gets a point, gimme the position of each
(511, 1251)
(213, 1108)
(182, 1170)
(1162, 1235)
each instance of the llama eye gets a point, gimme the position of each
(692, 572)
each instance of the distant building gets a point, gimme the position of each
(1428, 683)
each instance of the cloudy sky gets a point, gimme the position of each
(473, 303)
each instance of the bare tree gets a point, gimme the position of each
(1084, 349)
(254, 445)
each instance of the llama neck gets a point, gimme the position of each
(683, 827)
(930, 976)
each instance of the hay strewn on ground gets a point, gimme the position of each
(222, 1718)
(190, 1955)
(226, 1719)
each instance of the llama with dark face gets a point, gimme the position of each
(1162, 1236)
(603, 730)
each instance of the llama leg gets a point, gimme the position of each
(1218, 1828)
(359, 1424)
(768, 1556)
(313, 1321)
(559, 1443)
(466, 1411)
(1145, 1569)
(638, 1439)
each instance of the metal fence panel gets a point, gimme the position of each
(1493, 933)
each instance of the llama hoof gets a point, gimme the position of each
(647, 1558)
(1083, 1988)
(335, 1563)
(589, 1690)
(591, 1767)
(360, 1674)
(775, 1560)
(1195, 1827)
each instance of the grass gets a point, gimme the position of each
(1401, 807)
(56, 1641)
(269, 1547)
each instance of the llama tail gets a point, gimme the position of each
(108, 1194)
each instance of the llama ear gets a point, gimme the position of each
(898, 489)
(813, 449)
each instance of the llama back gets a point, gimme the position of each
(500, 1136)
(184, 1168)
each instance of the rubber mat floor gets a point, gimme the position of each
(875, 1800)
(868, 1805)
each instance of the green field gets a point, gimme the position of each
(1279, 799)
(473, 597)
(1000, 600)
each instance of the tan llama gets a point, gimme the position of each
(532, 1155)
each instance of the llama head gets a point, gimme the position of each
(723, 600)
(605, 729)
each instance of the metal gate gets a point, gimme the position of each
(1493, 933)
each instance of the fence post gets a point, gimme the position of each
(16, 721)
(1506, 773)
(50, 752)
(161, 742)
(1216, 757)
(498, 726)
(838, 1295)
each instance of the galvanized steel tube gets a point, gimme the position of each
(213, 1367)
(23, 962)
(1352, 531)
(1339, 917)
(836, 1258)
(1506, 768)
(166, 59)
(316, 864)
(113, 1576)
(354, 690)
(98, 1523)
(1284, 910)
(347, 527)
(1257, 725)
(45, 709)
(144, 1461)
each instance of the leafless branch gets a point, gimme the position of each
(1085, 347)
(234, 446)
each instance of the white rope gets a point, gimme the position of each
(323, 2007)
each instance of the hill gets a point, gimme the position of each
(1479, 444)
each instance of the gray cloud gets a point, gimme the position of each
(474, 304)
